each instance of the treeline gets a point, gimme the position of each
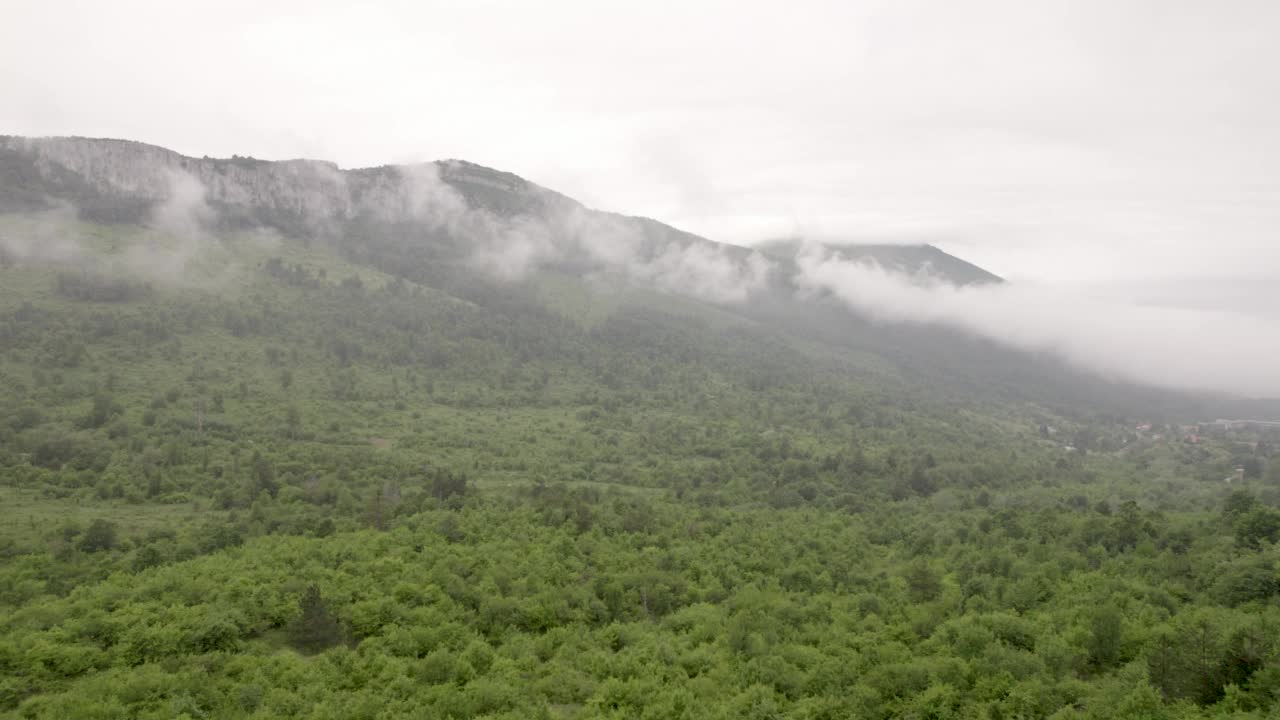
(518, 608)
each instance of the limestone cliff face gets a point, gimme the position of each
(451, 211)
(106, 166)
(92, 173)
(459, 209)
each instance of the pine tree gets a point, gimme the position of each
(315, 629)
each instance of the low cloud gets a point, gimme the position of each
(1158, 345)
(175, 237)
(318, 199)
(49, 236)
(177, 232)
(561, 231)
(1222, 349)
(706, 272)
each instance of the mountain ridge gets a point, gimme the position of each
(116, 180)
(459, 227)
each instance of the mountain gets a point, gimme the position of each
(287, 440)
(459, 316)
(465, 229)
(125, 182)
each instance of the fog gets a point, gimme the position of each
(1226, 350)
(177, 244)
(181, 227)
(1067, 142)
(1230, 348)
(1119, 162)
(1185, 348)
(509, 247)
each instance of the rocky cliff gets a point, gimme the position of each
(120, 180)
(455, 208)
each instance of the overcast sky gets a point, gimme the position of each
(1127, 147)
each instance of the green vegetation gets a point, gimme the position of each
(365, 483)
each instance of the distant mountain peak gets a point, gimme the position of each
(918, 259)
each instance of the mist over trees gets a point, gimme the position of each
(374, 479)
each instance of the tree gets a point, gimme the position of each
(1272, 476)
(922, 482)
(264, 476)
(1106, 629)
(444, 484)
(315, 629)
(218, 536)
(1252, 578)
(104, 408)
(101, 535)
(1185, 660)
(375, 512)
(1259, 525)
(1127, 527)
(145, 557)
(1238, 503)
(293, 422)
(923, 582)
(353, 284)
(1252, 467)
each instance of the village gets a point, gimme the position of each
(1245, 445)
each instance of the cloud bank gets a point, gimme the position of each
(170, 250)
(1224, 349)
(1166, 346)
(562, 232)
(1162, 345)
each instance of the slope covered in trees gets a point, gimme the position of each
(268, 477)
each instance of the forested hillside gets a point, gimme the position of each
(253, 465)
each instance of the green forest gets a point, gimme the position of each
(308, 480)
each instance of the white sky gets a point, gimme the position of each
(1126, 147)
